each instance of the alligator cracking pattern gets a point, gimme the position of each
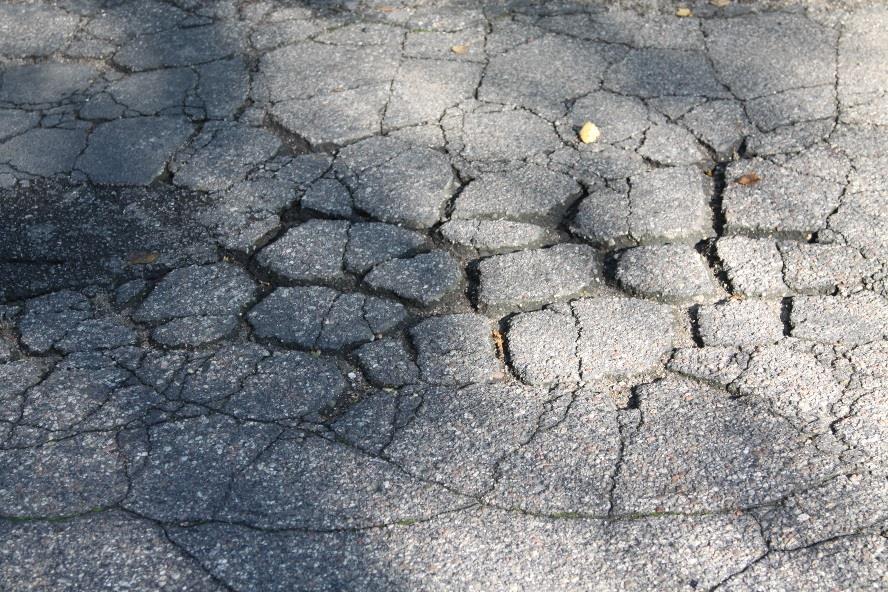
(330, 296)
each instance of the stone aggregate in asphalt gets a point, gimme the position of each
(330, 295)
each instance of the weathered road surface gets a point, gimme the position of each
(329, 296)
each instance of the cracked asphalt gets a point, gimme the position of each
(329, 296)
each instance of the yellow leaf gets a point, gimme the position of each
(142, 258)
(720, 3)
(683, 11)
(589, 133)
(460, 49)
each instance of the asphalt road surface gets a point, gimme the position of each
(332, 296)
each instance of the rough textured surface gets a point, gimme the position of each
(456, 349)
(534, 277)
(424, 279)
(333, 296)
(672, 273)
(323, 318)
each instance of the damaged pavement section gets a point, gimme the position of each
(332, 296)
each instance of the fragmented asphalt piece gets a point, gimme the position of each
(573, 68)
(312, 251)
(64, 477)
(304, 481)
(754, 67)
(860, 501)
(602, 219)
(823, 269)
(497, 236)
(654, 72)
(844, 563)
(328, 196)
(48, 319)
(507, 135)
(859, 87)
(166, 486)
(209, 377)
(643, 334)
(661, 206)
(530, 194)
(562, 345)
(528, 279)
(741, 323)
(369, 423)
(177, 47)
(46, 152)
(35, 30)
(781, 202)
(386, 362)
(456, 349)
(132, 151)
(247, 215)
(315, 317)
(424, 279)
(394, 181)
(194, 331)
(721, 125)
(620, 118)
(543, 347)
(97, 334)
(309, 297)
(221, 156)
(304, 70)
(423, 89)
(319, 120)
(220, 289)
(287, 386)
(370, 244)
(46, 83)
(669, 205)
(671, 273)
(672, 145)
(149, 93)
(771, 112)
(715, 365)
(16, 121)
(754, 267)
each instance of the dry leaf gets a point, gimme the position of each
(589, 133)
(748, 179)
(498, 341)
(142, 258)
(460, 49)
(683, 11)
(720, 3)
(386, 9)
